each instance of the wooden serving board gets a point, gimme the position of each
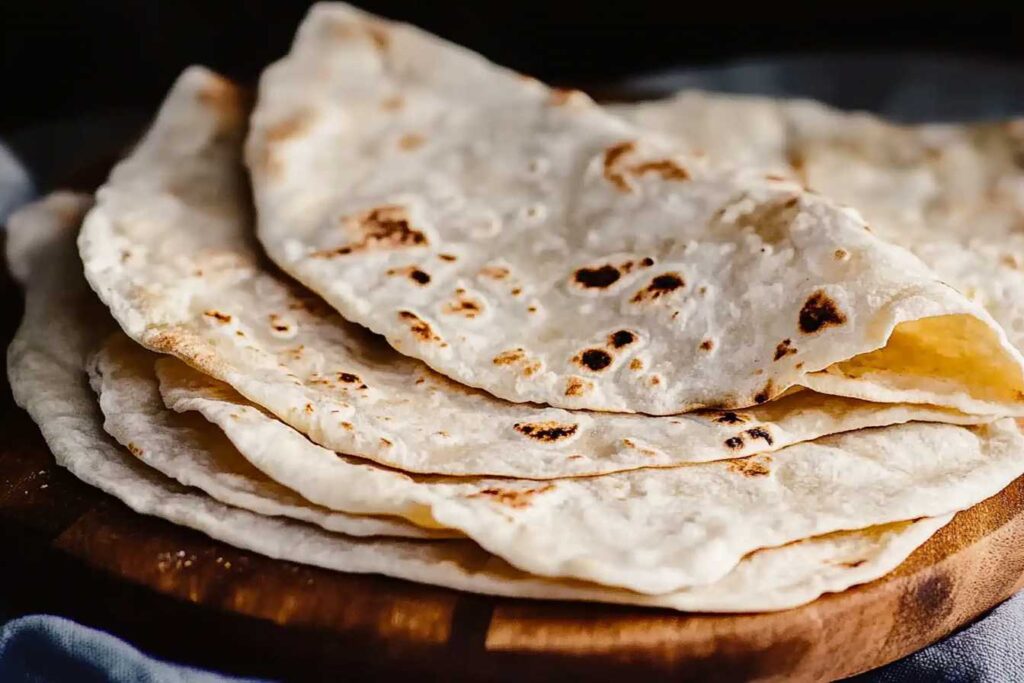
(71, 550)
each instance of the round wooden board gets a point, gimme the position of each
(71, 550)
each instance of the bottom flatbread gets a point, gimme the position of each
(188, 451)
(60, 331)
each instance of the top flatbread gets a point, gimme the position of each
(952, 194)
(168, 249)
(524, 241)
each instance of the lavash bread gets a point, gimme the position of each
(168, 247)
(525, 241)
(951, 193)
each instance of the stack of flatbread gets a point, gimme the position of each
(415, 314)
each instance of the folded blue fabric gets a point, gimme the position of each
(45, 648)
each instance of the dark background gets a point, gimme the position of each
(61, 58)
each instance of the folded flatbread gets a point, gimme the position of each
(168, 248)
(953, 194)
(524, 241)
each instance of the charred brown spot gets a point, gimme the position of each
(465, 306)
(348, 377)
(852, 564)
(546, 431)
(647, 262)
(347, 426)
(621, 338)
(516, 291)
(446, 257)
(531, 309)
(509, 357)
(419, 327)
(514, 498)
(734, 442)
(659, 286)
(784, 348)
(411, 141)
(707, 345)
(576, 386)
(655, 380)
(420, 277)
(760, 433)
(770, 220)
(617, 173)
(385, 442)
(278, 324)
(218, 316)
(597, 278)
(666, 283)
(751, 467)
(841, 254)
(764, 394)
(593, 359)
(666, 168)
(629, 443)
(308, 408)
(385, 227)
(135, 450)
(819, 312)
(730, 418)
(612, 156)
(494, 272)
(636, 364)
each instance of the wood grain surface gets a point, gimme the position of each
(71, 550)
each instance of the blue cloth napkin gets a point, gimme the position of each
(41, 648)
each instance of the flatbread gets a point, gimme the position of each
(64, 325)
(953, 194)
(471, 215)
(183, 448)
(168, 249)
(651, 530)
